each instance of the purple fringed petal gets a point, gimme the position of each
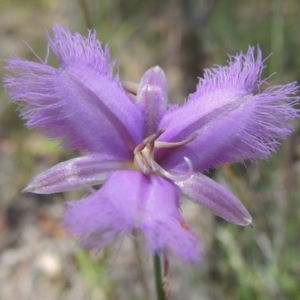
(232, 124)
(206, 192)
(81, 102)
(152, 98)
(219, 87)
(162, 223)
(74, 174)
(96, 219)
(74, 49)
(129, 200)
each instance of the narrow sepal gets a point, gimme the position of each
(152, 98)
(75, 174)
(211, 195)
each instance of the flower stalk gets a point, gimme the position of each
(160, 295)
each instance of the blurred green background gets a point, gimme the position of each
(38, 261)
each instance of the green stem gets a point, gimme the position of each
(140, 264)
(158, 278)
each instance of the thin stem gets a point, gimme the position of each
(166, 286)
(86, 14)
(142, 276)
(158, 278)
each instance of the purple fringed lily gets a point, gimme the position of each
(145, 152)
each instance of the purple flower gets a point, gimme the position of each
(144, 151)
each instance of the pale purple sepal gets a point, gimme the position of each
(81, 102)
(232, 120)
(152, 98)
(129, 200)
(74, 174)
(208, 193)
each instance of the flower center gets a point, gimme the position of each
(144, 156)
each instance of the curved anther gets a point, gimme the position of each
(160, 144)
(149, 142)
(144, 156)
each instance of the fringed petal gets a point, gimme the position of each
(129, 200)
(163, 225)
(81, 102)
(232, 123)
(95, 220)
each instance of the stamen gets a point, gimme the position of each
(144, 156)
(149, 141)
(160, 144)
